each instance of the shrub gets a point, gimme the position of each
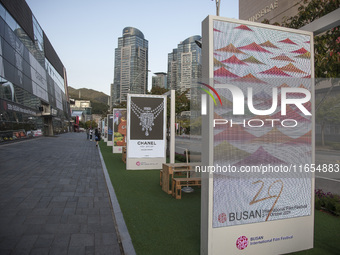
(327, 201)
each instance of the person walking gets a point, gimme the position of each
(91, 132)
(97, 136)
(88, 133)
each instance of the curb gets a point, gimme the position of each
(123, 233)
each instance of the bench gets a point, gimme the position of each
(161, 177)
(178, 183)
(124, 154)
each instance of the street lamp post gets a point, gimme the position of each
(218, 2)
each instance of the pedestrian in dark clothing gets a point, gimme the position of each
(97, 136)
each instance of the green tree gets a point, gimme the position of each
(326, 45)
(99, 108)
(156, 90)
(91, 123)
(328, 113)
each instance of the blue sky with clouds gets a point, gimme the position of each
(85, 33)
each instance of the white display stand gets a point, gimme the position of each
(256, 213)
(146, 132)
(105, 129)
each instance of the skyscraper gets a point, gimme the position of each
(184, 64)
(160, 80)
(172, 69)
(131, 65)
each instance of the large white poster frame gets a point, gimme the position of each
(105, 130)
(223, 240)
(144, 153)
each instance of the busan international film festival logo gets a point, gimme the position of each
(242, 242)
(239, 99)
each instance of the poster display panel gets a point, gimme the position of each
(146, 133)
(109, 130)
(260, 138)
(105, 129)
(119, 129)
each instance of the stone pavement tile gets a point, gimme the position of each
(33, 229)
(9, 229)
(89, 250)
(69, 211)
(105, 210)
(61, 228)
(40, 251)
(57, 211)
(41, 211)
(94, 219)
(59, 198)
(106, 219)
(73, 199)
(102, 239)
(79, 219)
(67, 193)
(82, 240)
(61, 240)
(24, 211)
(9, 242)
(100, 228)
(76, 250)
(89, 211)
(17, 219)
(53, 219)
(107, 250)
(57, 204)
(71, 205)
(59, 250)
(44, 241)
(35, 219)
(25, 244)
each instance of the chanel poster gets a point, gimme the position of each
(146, 130)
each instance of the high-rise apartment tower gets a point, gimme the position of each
(131, 65)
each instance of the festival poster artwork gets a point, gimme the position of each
(267, 59)
(146, 130)
(119, 129)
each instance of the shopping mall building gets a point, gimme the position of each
(33, 84)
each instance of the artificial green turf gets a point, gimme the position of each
(161, 224)
(157, 222)
(326, 235)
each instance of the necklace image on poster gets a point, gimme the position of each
(147, 118)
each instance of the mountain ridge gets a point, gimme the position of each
(88, 94)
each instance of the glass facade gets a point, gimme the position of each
(32, 92)
(131, 65)
(184, 64)
(160, 80)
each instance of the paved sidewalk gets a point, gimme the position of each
(54, 198)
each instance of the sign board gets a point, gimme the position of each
(146, 133)
(257, 192)
(109, 130)
(105, 129)
(119, 129)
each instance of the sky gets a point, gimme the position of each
(84, 33)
